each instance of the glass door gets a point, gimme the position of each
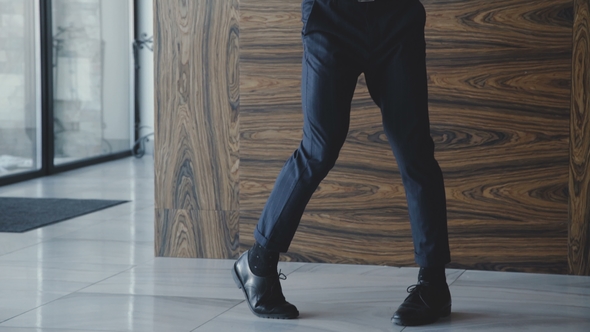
(20, 87)
(92, 75)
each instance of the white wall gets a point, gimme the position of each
(117, 90)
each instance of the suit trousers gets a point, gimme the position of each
(384, 39)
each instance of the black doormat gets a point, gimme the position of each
(19, 215)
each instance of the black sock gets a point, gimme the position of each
(432, 274)
(263, 262)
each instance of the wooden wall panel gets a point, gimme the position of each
(499, 81)
(196, 233)
(500, 75)
(196, 134)
(579, 185)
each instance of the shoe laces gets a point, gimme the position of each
(282, 276)
(417, 287)
(274, 294)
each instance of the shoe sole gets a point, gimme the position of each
(240, 285)
(444, 312)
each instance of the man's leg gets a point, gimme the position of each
(329, 77)
(397, 82)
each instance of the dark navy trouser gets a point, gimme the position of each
(383, 39)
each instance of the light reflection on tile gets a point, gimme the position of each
(14, 303)
(34, 329)
(408, 274)
(490, 309)
(528, 281)
(316, 317)
(110, 312)
(133, 230)
(204, 278)
(84, 251)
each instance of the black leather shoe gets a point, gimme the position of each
(426, 303)
(264, 295)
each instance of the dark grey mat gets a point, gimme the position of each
(19, 215)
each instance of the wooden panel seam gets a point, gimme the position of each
(579, 182)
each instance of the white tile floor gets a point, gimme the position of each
(98, 273)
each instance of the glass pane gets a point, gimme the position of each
(19, 87)
(91, 78)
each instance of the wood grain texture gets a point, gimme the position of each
(196, 135)
(579, 181)
(194, 233)
(499, 93)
